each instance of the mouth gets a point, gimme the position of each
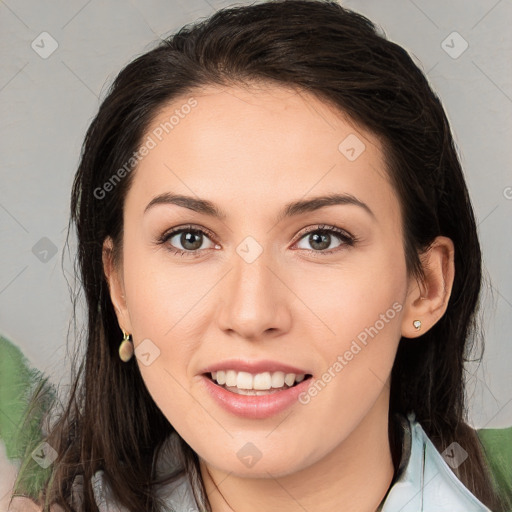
(265, 383)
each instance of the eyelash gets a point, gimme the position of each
(346, 238)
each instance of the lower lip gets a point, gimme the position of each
(254, 406)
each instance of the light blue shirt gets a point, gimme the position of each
(425, 484)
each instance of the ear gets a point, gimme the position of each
(427, 300)
(114, 276)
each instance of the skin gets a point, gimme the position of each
(250, 151)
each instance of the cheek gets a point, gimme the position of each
(351, 296)
(358, 310)
(163, 295)
(163, 318)
(166, 314)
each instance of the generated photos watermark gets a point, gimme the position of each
(343, 360)
(151, 142)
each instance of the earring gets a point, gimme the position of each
(417, 324)
(126, 348)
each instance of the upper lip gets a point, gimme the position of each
(254, 367)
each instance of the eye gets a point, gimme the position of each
(321, 237)
(190, 238)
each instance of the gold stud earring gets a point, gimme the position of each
(417, 324)
(126, 348)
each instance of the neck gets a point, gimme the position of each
(338, 481)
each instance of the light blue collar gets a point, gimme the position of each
(427, 483)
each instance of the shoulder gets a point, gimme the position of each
(22, 504)
(427, 482)
(176, 494)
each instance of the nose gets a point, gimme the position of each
(254, 299)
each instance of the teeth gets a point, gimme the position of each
(230, 378)
(244, 380)
(260, 381)
(277, 379)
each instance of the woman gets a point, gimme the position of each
(311, 338)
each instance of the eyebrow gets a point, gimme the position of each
(290, 210)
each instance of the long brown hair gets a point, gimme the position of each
(110, 421)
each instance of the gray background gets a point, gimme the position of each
(47, 103)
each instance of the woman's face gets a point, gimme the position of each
(265, 284)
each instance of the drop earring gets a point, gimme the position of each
(126, 348)
(417, 324)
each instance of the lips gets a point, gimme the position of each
(254, 367)
(255, 407)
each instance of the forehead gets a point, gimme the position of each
(252, 146)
